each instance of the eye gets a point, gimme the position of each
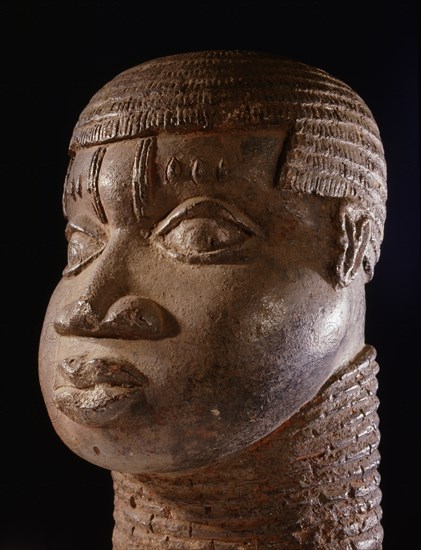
(206, 231)
(82, 249)
(203, 236)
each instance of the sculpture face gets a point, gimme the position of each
(196, 313)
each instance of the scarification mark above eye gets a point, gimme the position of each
(197, 171)
(142, 175)
(79, 186)
(221, 169)
(93, 182)
(72, 189)
(66, 190)
(174, 170)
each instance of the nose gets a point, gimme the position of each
(130, 318)
(107, 309)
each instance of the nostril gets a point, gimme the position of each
(77, 317)
(129, 317)
(135, 317)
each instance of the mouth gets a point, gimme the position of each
(97, 391)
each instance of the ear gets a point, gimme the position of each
(354, 240)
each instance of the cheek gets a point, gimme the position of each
(312, 326)
(49, 349)
(259, 323)
(288, 337)
(329, 323)
(48, 352)
(252, 349)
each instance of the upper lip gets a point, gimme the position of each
(85, 373)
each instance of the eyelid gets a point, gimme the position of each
(98, 242)
(193, 207)
(73, 227)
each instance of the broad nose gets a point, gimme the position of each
(107, 309)
(130, 318)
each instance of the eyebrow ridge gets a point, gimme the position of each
(192, 204)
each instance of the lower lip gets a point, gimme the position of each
(97, 405)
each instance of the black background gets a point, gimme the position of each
(55, 56)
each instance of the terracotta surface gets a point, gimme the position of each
(225, 211)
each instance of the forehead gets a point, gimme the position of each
(152, 174)
(214, 158)
(201, 157)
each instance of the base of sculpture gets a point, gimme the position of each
(313, 483)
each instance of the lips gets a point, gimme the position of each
(96, 391)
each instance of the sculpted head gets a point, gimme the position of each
(225, 210)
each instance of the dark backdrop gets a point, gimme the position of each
(55, 56)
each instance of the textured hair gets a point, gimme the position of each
(333, 147)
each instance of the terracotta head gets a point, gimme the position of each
(225, 210)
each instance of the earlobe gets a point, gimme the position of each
(355, 237)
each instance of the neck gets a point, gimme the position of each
(313, 483)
